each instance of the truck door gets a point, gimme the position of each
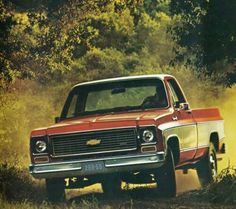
(185, 122)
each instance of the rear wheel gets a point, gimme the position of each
(166, 182)
(55, 190)
(207, 167)
(111, 186)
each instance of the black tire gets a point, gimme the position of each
(55, 190)
(207, 167)
(166, 182)
(111, 186)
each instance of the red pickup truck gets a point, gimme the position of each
(135, 129)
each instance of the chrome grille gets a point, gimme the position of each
(116, 140)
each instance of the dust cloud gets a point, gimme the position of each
(227, 106)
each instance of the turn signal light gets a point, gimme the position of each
(41, 159)
(149, 149)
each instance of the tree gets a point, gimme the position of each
(45, 40)
(6, 21)
(42, 40)
(219, 40)
(207, 32)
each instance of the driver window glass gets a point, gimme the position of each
(177, 94)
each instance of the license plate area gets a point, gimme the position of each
(93, 166)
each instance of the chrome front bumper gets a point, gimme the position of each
(98, 166)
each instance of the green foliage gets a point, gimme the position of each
(153, 6)
(96, 64)
(206, 30)
(219, 43)
(45, 42)
(6, 21)
(38, 44)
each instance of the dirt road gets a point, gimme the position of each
(189, 195)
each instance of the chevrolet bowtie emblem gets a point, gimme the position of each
(93, 142)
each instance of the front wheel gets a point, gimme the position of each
(166, 182)
(55, 190)
(207, 167)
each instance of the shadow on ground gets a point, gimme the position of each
(185, 183)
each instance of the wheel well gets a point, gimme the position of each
(173, 143)
(214, 138)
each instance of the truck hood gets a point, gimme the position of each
(108, 121)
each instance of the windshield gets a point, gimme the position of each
(119, 96)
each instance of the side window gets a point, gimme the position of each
(176, 92)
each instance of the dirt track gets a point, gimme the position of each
(147, 197)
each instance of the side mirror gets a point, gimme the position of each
(177, 105)
(57, 119)
(184, 106)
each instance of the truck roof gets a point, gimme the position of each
(125, 78)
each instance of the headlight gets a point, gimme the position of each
(147, 136)
(40, 146)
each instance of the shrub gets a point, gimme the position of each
(17, 185)
(223, 190)
(14, 183)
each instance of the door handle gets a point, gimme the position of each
(174, 118)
